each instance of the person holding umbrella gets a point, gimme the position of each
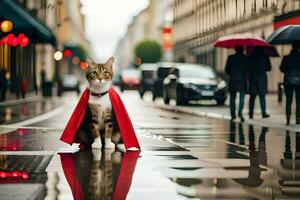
(290, 66)
(258, 80)
(236, 69)
(237, 65)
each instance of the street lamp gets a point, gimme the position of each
(6, 26)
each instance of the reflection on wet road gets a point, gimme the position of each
(18, 112)
(182, 157)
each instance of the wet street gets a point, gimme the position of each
(182, 157)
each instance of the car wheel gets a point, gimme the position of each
(221, 102)
(122, 88)
(154, 95)
(165, 97)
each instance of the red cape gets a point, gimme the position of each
(124, 122)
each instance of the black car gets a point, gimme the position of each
(148, 76)
(187, 82)
(161, 73)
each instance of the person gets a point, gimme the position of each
(291, 68)
(236, 69)
(23, 88)
(3, 84)
(258, 81)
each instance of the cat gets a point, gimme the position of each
(101, 120)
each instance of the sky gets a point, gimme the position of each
(106, 22)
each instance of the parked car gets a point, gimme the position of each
(70, 82)
(148, 75)
(161, 74)
(116, 81)
(187, 82)
(130, 79)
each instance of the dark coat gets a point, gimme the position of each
(290, 64)
(258, 80)
(3, 80)
(236, 68)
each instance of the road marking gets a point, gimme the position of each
(34, 153)
(14, 127)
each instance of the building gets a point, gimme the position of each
(20, 61)
(197, 24)
(147, 24)
(51, 25)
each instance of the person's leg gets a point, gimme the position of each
(297, 91)
(241, 105)
(232, 104)
(251, 105)
(262, 100)
(288, 103)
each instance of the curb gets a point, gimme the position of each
(295, 128)
(19, 101)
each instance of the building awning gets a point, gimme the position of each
(291, 18)
(25, 23)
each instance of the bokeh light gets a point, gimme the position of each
(58, 55)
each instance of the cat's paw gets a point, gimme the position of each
(97, 143)
(109, 144)
(96, 154)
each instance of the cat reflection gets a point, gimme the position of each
(97, 172)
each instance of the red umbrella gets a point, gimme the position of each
(246, 40)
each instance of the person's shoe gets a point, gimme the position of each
(233, 118)
(265, 115)
(250, 116)
(242, 118)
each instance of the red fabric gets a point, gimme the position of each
(122, 186)
(126, 173)
(231, 41)
(290, 21)
(124, 122)
(68, 166)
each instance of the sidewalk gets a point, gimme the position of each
(275, 109)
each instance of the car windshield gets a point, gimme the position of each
(196, 71)
(70, 80)
(131, 73)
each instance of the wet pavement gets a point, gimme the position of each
(182, 157)
(10, 114)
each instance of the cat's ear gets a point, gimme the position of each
(109, 62)
(90, 62)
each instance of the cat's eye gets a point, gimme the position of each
(93, 75)
(106, 74)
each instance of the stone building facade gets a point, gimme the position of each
(198, 23)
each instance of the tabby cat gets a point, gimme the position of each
(101, 124)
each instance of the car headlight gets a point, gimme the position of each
(221, 85)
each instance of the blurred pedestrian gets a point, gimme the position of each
(23, 88)
(3, 84)
(258, 81)
(236, 68)
(290, 66)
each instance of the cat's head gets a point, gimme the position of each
(99, 76)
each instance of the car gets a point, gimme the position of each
(148, 76)
(187, 82)
(130, 79)
(70, 82)
(161, 73)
